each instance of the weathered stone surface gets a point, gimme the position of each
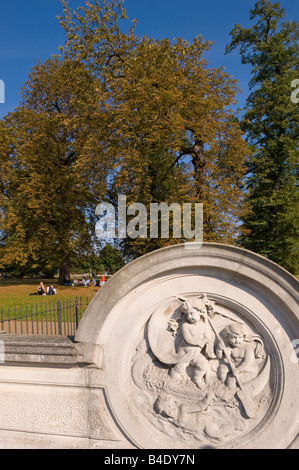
(40, 349)
(49, 399)
(182, 348)
(174, 378)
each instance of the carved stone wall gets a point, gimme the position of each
(50, 399)
(181, 349)
(197, 349)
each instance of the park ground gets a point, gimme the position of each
(15, 293)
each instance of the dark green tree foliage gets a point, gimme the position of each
(111, 259)
(271, 121)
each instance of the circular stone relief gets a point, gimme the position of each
(201, 373)
(197, 349)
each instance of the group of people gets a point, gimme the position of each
(50, 290)
(41, 290)
(85, 282)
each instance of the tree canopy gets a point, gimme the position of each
(172, 129)
(116, 113)
(52, 169)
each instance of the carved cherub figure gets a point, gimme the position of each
(196, 343)
(242, 353)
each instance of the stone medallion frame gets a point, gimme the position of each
(256, 290)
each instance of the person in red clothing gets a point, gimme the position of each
(103, 280)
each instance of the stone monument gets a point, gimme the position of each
(197, 349)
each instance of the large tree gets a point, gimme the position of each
(116, 114)
(53, 169)
(172, 127)
(271, 121)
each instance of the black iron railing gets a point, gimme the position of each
(59, 317)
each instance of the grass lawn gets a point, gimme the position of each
(16, 293)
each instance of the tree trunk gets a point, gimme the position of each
(201, 185)
(199, 165)
(64, 271)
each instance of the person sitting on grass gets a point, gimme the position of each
(51, 290)
(40, 290)
(67, 281)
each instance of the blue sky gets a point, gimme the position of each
(29, 31)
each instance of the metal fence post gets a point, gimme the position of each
(77, 313)
(59, 317)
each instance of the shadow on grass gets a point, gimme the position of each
(7, 282)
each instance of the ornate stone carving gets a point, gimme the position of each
(223, 376)
(202, 372)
